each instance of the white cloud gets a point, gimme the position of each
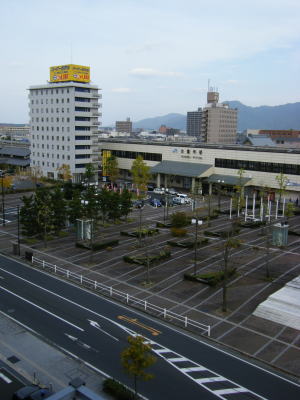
(121, 90)
(151, 72)
(232, 82)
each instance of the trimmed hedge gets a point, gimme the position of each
(295, 233)
(97, 245)
(210, 278)
(143, 260)
(163, 225)
(222, 234)
(117, 390)
(187, 244)
(178, 232)
(252, 224)
(144, 232)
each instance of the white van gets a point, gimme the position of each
(178, 200)
(186, 199)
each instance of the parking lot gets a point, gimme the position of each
(238, 328)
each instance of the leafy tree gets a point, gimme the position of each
(75, 207)
(90, 207)
(179, 219)
(140, 175)
(68, 189)
(28, 216)
(58, 208)
(64, 172)
(125, 203)
(282, 181)
(104, 203)
(44, 213)
(229, 244)
(115, 206)
(238, 198)
(6, 181)
(112, 169)
(289, 211)
(136, 358)
(90, 172)
(36, 173)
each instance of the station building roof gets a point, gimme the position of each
(228, 180)
(180, 168)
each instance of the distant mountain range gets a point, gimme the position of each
(286, 116)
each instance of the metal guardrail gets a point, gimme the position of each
(118, 295)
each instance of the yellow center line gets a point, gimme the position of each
(135, 321)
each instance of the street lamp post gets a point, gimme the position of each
(18, 210)
(197, 222)
(219, 193)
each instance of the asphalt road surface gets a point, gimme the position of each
(95, 329)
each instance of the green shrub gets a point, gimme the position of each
(142, 259)
(213, 234)
(163, 225)
(117, 390)
(210, 278)
(97, 245)
(178, 232)
(179, 219)
(251, 224)
(62, 234)
(188, 243)
(143, 233)
(295, 233)
(103, 245)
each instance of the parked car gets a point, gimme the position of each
(167, 200)
(171, 191)
(150, 188)
(31, 392)
(159, 191)
(138, 203)
(155, 202)
(178, 200)
(185, 197)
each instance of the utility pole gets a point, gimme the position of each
(3, 205)
(18, 210)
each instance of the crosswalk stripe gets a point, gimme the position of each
(191, 369)
(161, 351)
(230, 391)
(5, 378)
(177, 359)
(212, 379)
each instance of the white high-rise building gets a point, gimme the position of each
(64, 122)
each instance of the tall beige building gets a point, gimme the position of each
(124, 126)
(219, 122)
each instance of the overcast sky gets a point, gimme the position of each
(153, 57)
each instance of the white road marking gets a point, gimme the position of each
(230, 391)
(43, 309)
(97, 326)
(5, 378)
(177, 359)
(146, 317)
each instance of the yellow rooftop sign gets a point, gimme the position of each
(70, 72)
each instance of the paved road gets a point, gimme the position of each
(95, 329)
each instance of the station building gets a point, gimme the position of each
(207, 166)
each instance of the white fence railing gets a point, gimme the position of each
(124, 297)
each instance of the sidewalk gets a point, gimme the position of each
(40, 363)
